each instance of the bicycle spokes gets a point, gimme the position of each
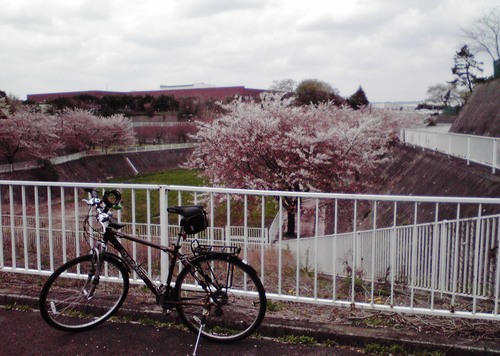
(231, 295)
(73, 299)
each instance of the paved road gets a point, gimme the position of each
(25, 333)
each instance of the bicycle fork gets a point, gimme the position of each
(94, 272)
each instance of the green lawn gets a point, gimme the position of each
(188, 177)
(171, 177)
(178, 176)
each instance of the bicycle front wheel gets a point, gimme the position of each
(226, 292)
(66, 301)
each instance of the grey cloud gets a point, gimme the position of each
(205, 8)
(390, 47)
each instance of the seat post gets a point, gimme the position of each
(180, 235)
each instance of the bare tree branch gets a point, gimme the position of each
(485, 34)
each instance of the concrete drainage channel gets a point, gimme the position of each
(323, 333)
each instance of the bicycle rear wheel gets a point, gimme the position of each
(64, 300)
(224, 289)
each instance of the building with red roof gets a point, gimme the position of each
(191, 90)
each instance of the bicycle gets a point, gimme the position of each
(216, 294)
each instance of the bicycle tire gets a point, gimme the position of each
(63, 303)
(238, 297)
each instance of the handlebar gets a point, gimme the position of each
(92, 191)
(110, 200)
(193, 220)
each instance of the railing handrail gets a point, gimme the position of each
(340, 196)
(277, 193)
(430, 131)
(469, 144)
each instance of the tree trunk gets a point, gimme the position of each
(290, 205)
(290, 230)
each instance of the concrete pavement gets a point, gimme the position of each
(26, 333)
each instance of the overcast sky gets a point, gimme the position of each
(394, 49)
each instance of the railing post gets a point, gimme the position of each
(25, 227)
(468, 149)
(12, 227)
(77, 218)
(354, 253)
(163, 231)
(414, 254)
(392, 252)
(494, 163)
(434, 256)
(475, 272)
(2, 262)
(497, 270)
(63, 225)
(455, 257)
(227, 235)
(449, 145)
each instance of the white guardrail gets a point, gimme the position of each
(4, 168)
(427, 255)
(479, 149)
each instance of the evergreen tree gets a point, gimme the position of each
(465, 69)
(4, 105)
(358, 99)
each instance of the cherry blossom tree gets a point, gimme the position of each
(80, 129)
(182, 131)
(32, 135)
(156, 134)
(273, 144)
(161, 134)
(77, 129)
(114, 130)
(145, 134)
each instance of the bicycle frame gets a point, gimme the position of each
(110, 236)
(207, 291)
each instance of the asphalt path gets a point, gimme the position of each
(25, 333)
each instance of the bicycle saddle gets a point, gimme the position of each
(186, 211)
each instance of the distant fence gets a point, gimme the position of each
(160, 124)
(4, 168)
(479, 149)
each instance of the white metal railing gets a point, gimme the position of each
(74, 156)
(428, 255)
(449, 244)
(479, 149)
(168, 146)
(161, 124)
(20, 166)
